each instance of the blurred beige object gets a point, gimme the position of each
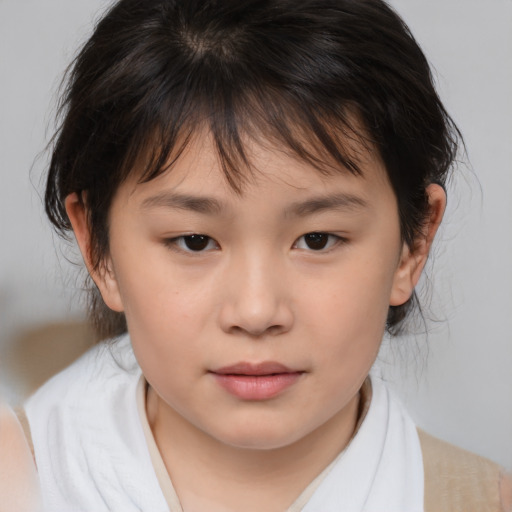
(19, 491)
(37, 354)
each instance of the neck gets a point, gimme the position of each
(232, 478)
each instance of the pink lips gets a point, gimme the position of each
(256, 381)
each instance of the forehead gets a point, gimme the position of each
(200, 166)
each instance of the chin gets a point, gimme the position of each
(259, 437)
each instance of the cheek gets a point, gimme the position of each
(347, 316)
(152, 290)
(354, 297)
(165, 311)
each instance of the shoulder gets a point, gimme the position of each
(86, 431)
(75, 403)
(104, 364)
(458, 480)
(18, 482)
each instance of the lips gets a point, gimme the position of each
(265, 368)
(260, 381)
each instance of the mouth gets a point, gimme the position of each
(256, 382)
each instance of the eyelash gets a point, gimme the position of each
(179, 243)
(314, 236)
(182, 243)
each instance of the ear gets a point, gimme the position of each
(103, 275)
(413, 259)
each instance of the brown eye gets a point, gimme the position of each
(192, 243)
(316, 241)
(196, 242)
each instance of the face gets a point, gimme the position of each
(256, 317)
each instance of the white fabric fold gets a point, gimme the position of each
(89, 445)
(381, 470)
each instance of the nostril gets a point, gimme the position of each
(257, 333)
(256, 305)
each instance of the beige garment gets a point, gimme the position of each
(457, 480)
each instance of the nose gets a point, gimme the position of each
(255, 298)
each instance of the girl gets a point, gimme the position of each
(255, 187)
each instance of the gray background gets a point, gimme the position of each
(458, 382)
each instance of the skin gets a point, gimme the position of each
(18, 481)
(257, 292)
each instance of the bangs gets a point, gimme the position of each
(224, 67)
(329, 143)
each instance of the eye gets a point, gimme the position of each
(193, 243)
(317, 241)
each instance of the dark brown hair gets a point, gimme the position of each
(299, 73)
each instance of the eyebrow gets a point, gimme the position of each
(343, 202)
(206, 205)
(209, 205)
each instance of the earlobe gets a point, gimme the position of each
(405, 278)
(103, 274)
(413, 259)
